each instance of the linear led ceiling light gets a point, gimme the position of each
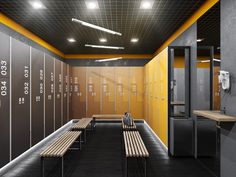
(37, 4)
(208, 61)
(71, 40)
(103, 40)
(108, 59)
(92, 4)
(95, 27)
(104, 47)
(146, 4)
(134, 40)
(200, 40)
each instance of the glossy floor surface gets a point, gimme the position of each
(103, 156)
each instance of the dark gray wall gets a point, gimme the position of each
(23, 119)
(65, 92)
(57, 95)
(4, 98)
(37, 99)
(20, 97)
(49, 94)
(228, 100)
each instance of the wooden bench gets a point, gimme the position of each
(107, 116)
(134, 148)
(82, 125)
(59, 147)
(129, 127)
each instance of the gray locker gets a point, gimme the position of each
(58, 92)
(4, 98)
(37, 75)
(49, 94)
(65, 92)
(20, 97)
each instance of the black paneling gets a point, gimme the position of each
(4, 98)
(49, 95)
(58, 92)
(65, 92)
(153, 27)
(20, 97)
(37, 75)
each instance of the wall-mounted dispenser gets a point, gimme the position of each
(224, 79)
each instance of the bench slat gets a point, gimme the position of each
(134, 145)
(61, 145)
(82, 124)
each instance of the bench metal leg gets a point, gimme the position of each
(62, 166)
(85, 135)
(42, 167)
(80, 145)
(94, 122)
(126, 166)
(145, 167)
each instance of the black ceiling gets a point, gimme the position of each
(208, 28)
(54, 25)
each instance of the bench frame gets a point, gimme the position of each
(42, 158)
(84, 130)
(144, 159)
(127, 158)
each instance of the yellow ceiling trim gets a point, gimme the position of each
(202, 10)
(18, 28)
(99, 56)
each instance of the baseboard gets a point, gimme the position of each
(37, 146)
(165, 148)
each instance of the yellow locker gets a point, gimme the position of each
(79, 92)
(164, 96)
(93, 90)
(136, 92)
(107, 90)
(122, 89)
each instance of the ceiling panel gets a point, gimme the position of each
(54, 24)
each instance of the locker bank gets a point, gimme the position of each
(117, 88)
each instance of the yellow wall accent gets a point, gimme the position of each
(202, 10)
(18, 28)
(156, 95)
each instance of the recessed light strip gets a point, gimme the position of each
(37, 4)
(109, 59)
(95, 27)
(104, 47)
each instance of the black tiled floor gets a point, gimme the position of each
(102, 156)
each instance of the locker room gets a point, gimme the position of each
(117, 88)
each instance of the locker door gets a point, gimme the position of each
(108, 90)
(70, 92)
(136, 95)
(93, 91)
(20, 97)
(79, 92)
(37, 120)
(122, 89)
(65, 92)
(57, 95)
(4, 98)
(49, 94)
